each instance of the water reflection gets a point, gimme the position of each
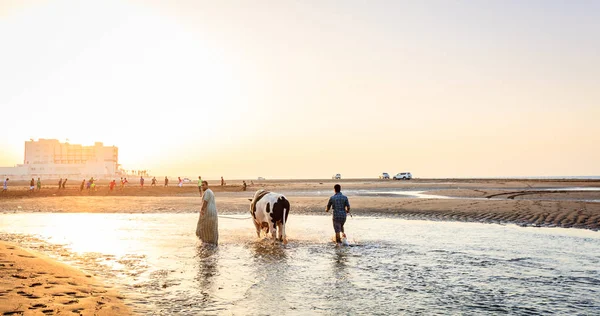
(208, 261)
(398, 267)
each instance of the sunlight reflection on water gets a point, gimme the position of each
(394, 266)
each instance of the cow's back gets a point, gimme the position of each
(272, 208)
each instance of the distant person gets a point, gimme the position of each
(244, 186)
(93, 186)
(166, 182)
(153, 182)
(208, 222)
(251, 182)
(112, 185)
(31, 185)
(142, 182)
(125, 182)
(88, 184)
(200, 184)
(222, 181)
(5, 186)
(341, 207)
(60, 183)
(39, 184)
(64, 183)
(82, 185)
(180, 182)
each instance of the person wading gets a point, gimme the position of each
(200, 185)
(208, 222)
(341, 207)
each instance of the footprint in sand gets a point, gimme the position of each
(36, 306)
(17, 276)
(36, 284)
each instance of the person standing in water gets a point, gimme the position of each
(208, 222)
(200, 185)
(341, 207)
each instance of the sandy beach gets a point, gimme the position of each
(549, 203)
(33, 284)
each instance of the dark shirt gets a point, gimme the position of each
(339, 202)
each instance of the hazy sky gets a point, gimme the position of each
(306, 89)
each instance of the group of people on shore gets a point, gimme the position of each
(92, 186)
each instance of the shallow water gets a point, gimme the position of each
(393, 266)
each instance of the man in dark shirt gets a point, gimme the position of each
(341, 207)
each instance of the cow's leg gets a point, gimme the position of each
(274, 232)
(279, 231)
(258, 228)
(284, 239)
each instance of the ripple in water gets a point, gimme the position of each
(394, 266)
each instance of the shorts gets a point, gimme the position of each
(338, 226)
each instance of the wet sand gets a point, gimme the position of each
(567, 203)
(33, 284)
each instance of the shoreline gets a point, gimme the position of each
(34, 283)
(537, 213)
(546, 203)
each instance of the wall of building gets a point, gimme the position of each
(50, 159)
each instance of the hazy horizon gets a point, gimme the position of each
(285, 90)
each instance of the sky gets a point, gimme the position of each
(307, 89)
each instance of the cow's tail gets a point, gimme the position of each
(285, 211)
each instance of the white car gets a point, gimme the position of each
(186, 180)
(403, 176)
(385, 176)
(337, 177)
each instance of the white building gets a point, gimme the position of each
(51, 159)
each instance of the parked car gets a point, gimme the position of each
(384, 175)
(403, 176)
(260, 178)
(186, 180)
(337, 176)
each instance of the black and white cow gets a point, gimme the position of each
(270, 211)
